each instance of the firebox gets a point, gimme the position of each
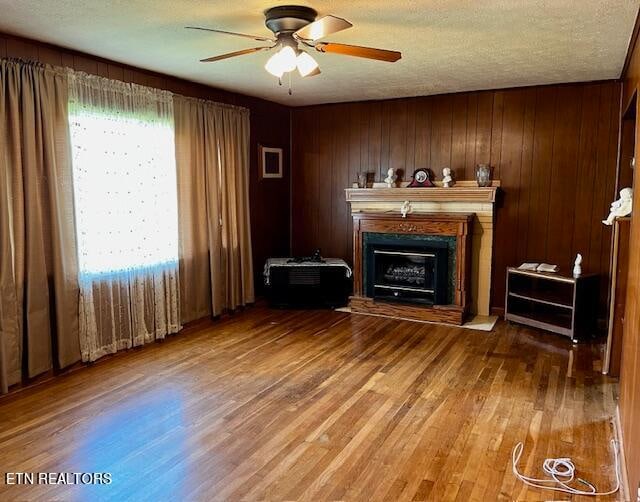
(407, 270)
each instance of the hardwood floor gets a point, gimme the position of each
(317, 405)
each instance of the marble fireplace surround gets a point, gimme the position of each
(464, 197)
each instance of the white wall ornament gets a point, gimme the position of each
(621, 207)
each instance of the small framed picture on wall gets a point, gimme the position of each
(270, 162)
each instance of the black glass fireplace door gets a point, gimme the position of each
(408, 275)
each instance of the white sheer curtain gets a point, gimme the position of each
(124, 174)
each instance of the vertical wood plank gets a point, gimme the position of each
(67, 59)
(627, 144)
(127, 75)
(49, 55)
(340, 180)
(385, 138)
(460, 115)
(297, 180)
(601, 197)
(115, 72)
(587, 165)
(300, 178)
(103, 70)
(496, 133)
(21, 49)
(561, 213)
(423, 135)
(322, 178)
(483, 128)
(375, 139)
(510, 164)
(526, 178)
(397, 136)
(88, 65)
(470, 138)
(410, 134)
(542, 156)
(441, 134)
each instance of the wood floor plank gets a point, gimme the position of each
(317, 405)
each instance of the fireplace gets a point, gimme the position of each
(415, 267)
(407, 269)
(430, 211)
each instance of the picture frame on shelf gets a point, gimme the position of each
(270, 159)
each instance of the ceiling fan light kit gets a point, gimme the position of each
(282, 61)
(292, 26)
(306, 64)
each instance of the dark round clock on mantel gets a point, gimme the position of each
(421, 178)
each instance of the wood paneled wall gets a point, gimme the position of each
(630, 369)
(554, 149)
(270, 123)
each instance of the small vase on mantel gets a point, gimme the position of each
(483, 175)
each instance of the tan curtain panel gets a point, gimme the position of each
(191, 158)
(38, 260)
(212, 153)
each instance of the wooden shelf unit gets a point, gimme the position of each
(556, 303)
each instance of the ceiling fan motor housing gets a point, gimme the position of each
(288, 18)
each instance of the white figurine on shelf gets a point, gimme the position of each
(577, 266)
(446, 177)
(390, 180)
(621, 207)
(405, 208)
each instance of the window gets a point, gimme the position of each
(124, 176)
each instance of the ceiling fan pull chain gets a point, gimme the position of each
(290, 93)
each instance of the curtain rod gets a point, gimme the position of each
(66, 70)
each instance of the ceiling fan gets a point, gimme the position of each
(295, 29)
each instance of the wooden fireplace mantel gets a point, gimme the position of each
(434, 194)
(445, 224)
(465, 197)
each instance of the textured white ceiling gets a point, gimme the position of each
(447, 45)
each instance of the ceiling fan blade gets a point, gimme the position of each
(252, 37)
(322, 27)
(233, 54)
(359, 51)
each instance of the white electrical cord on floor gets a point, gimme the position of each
(562, 471)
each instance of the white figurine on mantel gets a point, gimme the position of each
(405, 208)
(390, 180)
(577, 266)
(446, 177)
(621, 207)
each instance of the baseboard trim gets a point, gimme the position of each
(499, 311)
(617, 432)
